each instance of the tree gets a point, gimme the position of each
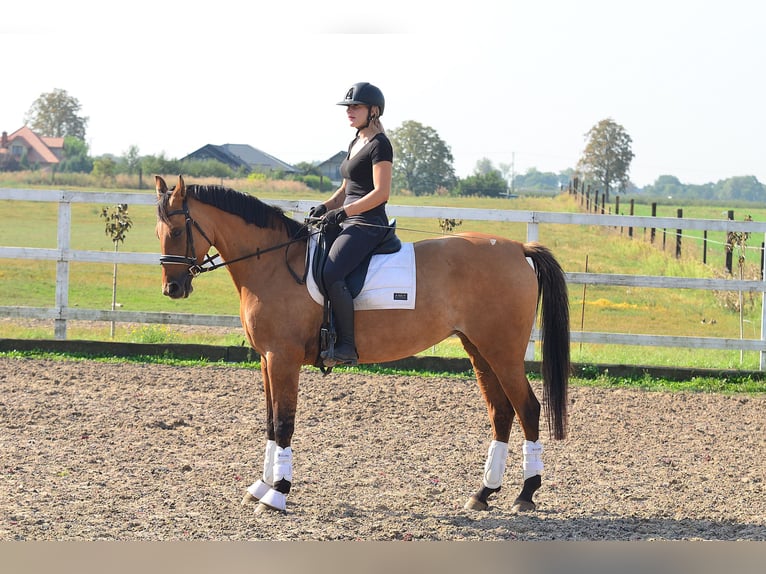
(118, 223)
(535, 180)
(422, 161)
(485, 181)
(491, 184)
(55, 114)
(743, 187)
(76, 158)
(607, 155)
(484, 166)
(104, 168)
(132, 159)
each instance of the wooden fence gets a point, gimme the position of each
(589, 202)
(61, 312)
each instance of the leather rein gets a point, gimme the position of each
(208, 264)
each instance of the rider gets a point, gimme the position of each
(358, 206)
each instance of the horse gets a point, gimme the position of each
(478, 287)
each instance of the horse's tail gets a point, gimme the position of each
(554, 333)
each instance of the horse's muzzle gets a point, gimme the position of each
(178, 289)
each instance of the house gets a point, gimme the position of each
(330, 168)
(25, 147)
(241, 156)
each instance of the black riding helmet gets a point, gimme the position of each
(364, 93)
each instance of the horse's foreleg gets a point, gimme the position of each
(260, 487)
(281, 384)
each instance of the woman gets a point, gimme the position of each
(358, 206)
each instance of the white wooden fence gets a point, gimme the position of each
(60, 313)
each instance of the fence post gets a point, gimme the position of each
(652, 232)
(62, 267)
(763, 315)
(632, 206)
(680, 214)
(729, 247)
(704, 247)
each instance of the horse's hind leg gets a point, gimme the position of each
(501, 416)
(527, 408)
(503, 400)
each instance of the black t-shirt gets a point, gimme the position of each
(357, 171)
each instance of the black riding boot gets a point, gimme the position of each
(342, 303)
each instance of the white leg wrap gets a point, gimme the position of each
(533, 458)
(494, 468)
(281, 470)
(268, 461)
(261, 486)
(283, 465)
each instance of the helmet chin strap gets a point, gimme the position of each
(370, 118)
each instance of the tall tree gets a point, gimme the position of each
(132, 159)
(607, 155)
(55, 114)
(422, 161)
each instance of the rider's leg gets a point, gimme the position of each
(343, 310)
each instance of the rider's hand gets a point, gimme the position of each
(317, 211)
(335, 216)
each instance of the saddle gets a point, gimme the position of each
(355, 280)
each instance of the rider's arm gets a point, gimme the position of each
(336, 199)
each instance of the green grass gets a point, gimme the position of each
(735, 384)
(595, 308)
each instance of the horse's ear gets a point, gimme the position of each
(181, 187)
(162, 187)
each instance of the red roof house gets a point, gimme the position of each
(39, 150)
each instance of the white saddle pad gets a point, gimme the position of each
(390, 281)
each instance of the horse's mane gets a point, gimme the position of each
(248, 207)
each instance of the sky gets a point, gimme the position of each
(518, 82)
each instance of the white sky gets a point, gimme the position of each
(517, 81)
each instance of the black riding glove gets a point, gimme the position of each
(335, 216)
(318, 211)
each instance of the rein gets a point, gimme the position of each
(207, 264)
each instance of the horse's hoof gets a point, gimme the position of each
(264, 508)
(474, 503)
(523, 506)
(248, 499)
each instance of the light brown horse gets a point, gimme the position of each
(476, 286)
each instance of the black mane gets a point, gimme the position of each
(248, 207)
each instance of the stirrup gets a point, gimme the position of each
(330, 359)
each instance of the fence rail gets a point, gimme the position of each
(60, 313)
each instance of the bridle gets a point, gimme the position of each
(208, 264)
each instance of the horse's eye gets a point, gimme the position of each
(175, 233)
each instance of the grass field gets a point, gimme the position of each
(608, 309)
